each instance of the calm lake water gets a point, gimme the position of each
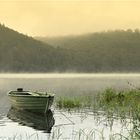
(62, 124)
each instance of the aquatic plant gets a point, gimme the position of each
(118, 102)
(114, 104)
(65, 102)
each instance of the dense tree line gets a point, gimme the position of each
(112, 51)
(20, 53)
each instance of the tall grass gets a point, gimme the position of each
(77, 102)
(123, 104)
(112, 101)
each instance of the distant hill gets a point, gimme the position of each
(114, 51)
(20, 53)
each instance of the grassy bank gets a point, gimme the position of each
(125, 102)
(115, 104)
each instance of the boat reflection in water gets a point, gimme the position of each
(37, 121)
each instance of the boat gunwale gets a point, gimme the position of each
(30, 95)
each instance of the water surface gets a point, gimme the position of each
(67, 124)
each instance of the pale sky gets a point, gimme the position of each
(64, 17)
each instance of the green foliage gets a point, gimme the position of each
(77, 101)
(109, 95)
(114, 104)
(69, 102)
(111, 101)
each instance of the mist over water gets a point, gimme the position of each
(66, 75)
(68, 83)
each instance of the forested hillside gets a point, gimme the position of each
(20, 53)
(114, 51)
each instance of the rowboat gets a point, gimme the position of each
(33, 101)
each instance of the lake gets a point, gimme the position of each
(62, 124)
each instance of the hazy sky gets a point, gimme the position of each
(63, 17)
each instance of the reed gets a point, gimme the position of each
(73, 102)
(121, 103)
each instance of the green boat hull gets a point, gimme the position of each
(37, 103)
